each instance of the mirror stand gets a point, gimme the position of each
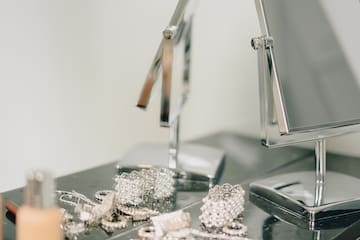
(196, 167)
(313, 200)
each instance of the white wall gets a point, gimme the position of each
(71, 72)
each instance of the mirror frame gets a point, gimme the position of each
(275, 131)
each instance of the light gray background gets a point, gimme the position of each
(71, 72)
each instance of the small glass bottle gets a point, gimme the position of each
(39, 218)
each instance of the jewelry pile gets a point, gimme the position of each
(220, 218)
(138, 196)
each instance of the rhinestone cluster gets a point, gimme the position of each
(171, 222)
(222, 205)
(138, 196)
(221, 219)
(140, 187)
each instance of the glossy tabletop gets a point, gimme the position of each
(246, 160)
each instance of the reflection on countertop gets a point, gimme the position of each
(246, 160)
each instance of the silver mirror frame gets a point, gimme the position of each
(309, 199)
(275, 131)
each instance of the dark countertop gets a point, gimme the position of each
(246, 160)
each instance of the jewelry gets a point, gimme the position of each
(235, 229)
(73, 198)
(129, 188)
(104, 210)
(220, 236)
(176, 225)
(137, 214)
(133, 193)
(147, 233)
(164, 183)
(73, 229)
(222, 205)
(171, 222)
(162, 205)
(109, 226)
(146, 185)
(65, 215)
(183, 234)
(100, 195)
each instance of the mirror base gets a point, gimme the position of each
(199, 166)
(291, 197)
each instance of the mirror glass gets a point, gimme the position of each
(317, 54)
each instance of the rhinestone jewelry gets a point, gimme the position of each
(65, 215)
(100, 195)
(137, 214)
(147, 233)
(171, 222)
(140, 187)
(130, 188)
(137, 196)
(219, 236)
(164, 183)
(165, 228)
(222, 205)
(235, 229)
(73, 198)
(110, 226)
(73, 229)
(183, 234)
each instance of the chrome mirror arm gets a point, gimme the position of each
(271, 97)
(209, 161)
(164, 59)
(170, 32)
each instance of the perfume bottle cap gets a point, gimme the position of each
(40, 189)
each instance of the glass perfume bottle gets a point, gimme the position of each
(39, 218)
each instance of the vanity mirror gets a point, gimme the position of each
(309, 78)
(196, 166)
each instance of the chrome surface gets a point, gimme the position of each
(271, 121)
(167, 61)
(246, 160)
(311, 55)
(320, 171)
(151, 79)
(272, 86)
(152, 76)
(288, 206)
(309, 87)
(197, 165)
(293, 198)
(313, 200)
(179, 25)
(173, 54)
(174, 143)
